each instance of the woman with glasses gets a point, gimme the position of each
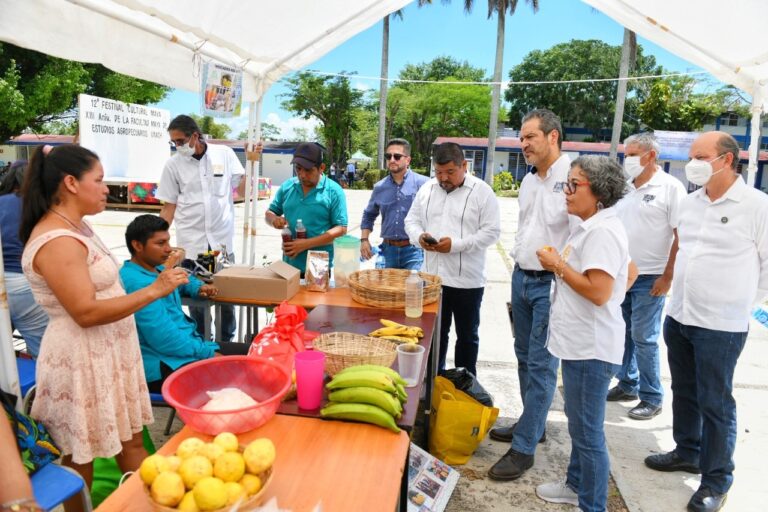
(586, 329)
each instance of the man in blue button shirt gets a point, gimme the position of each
(392, 197)
(315, 199)
(167, 337)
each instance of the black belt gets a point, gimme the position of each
(534, 273)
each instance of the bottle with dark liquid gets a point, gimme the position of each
(301, 231)
(286, 234)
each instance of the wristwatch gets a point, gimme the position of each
(364, 240)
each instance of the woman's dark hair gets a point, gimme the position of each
(14, 177)
(47, 169)
(142, 228)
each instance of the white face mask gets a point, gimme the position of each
(699, 172)
(632, 166)
(186, 149)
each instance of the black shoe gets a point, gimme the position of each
(511, 466)
(505, 434)
(644, 411)
(670, 461)
(705, 500)
(616, 394)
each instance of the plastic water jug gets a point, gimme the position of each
(346, 259)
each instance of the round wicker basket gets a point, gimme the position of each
(345, 349)
(385, 287)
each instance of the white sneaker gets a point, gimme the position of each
(557, 492)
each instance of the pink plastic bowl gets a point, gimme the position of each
(264, 380)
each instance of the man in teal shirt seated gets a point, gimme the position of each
(167, 337)
(315, 199)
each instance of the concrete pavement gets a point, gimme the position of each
(629, 441)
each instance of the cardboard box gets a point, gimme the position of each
(277, 282)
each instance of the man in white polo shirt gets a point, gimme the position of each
(649, 214)
(543, 220)
(720, 272)
(196, 186)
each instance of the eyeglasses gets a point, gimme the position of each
(396, 156)
(570, 186)
(179, 142)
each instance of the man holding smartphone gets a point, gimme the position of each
(455, 218)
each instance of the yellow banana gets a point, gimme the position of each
(366, 379)
(377, 368)
(412, 330)
(360, 412)
(370, 396)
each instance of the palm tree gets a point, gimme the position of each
(500, 8)
(628, 54)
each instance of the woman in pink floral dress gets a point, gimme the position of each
(91, 391)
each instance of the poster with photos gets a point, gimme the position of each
(430, 482)
(221, 90)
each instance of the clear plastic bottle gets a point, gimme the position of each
(381, 261)
(301, 231)
(414, 295)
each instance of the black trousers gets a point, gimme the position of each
(462, 305)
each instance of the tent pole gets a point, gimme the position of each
(254, 134)
(754, 141)
(9, 376)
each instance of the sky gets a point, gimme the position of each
(444, 29)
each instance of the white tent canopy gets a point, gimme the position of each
(729, 40)
(165, 41)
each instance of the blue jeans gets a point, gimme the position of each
(463, 306)
(27, 316)
(585, 384)
(639, 374)
(536, 367)
(407, 257)
(702, 362)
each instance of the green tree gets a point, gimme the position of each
(210, 127)
(269, 131)
(420, 112)
(364, 138)
(332, 101)
(588, 103)
(672, 104)
(500, 8)
(36, 89)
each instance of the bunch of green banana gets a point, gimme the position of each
(367, 393)
(398, 332)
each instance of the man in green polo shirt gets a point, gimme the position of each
(315, 199)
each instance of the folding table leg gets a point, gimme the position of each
(402, 504)
(432, 368)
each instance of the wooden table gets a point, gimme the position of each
(326, 319)
(346, 466)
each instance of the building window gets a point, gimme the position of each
(517, 165)
(474, 161)
(729, 119)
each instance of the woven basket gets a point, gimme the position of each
(385, 287)
(345, 349)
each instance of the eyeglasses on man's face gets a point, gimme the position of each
(571, 186)
(396, 156)
(179, 142)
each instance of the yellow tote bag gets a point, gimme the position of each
(457, 423)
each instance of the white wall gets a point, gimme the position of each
(276, 166)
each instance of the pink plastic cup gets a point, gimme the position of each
(310, 367)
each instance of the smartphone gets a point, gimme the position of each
(430, 240)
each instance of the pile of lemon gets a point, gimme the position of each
(207, 476)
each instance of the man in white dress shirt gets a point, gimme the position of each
(196, 187)
(455, 218)
(543, 220)
(721, 271)
(649, 214)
